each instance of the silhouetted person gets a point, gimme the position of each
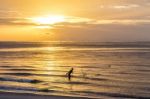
(69, 74)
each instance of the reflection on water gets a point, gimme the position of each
(107, 70)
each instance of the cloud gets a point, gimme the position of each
(9, 13)
(104, 32)
(14, 21)
(81, 22)
(72, 21)
(124, 22)
(125, 6)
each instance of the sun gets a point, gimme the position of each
(48, 20)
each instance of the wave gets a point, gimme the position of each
(17, 88)
(73, 44)
(20, 80)
(24, 89)
(115, 95)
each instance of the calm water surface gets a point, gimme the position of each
(101, 70)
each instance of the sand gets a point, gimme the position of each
(9, 95)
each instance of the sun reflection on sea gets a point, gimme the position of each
(50, 65)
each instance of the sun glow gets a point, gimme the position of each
(48, 20)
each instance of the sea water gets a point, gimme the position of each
(111, 70)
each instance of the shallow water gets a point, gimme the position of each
(101, 70)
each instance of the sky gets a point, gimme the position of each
(75, 20)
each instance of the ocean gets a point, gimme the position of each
(110, 70)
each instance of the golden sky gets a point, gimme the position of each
(75, 20)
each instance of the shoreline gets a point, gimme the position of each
(13, 95)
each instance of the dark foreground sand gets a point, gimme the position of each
(9, 95)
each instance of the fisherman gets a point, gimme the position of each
(69, 74)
